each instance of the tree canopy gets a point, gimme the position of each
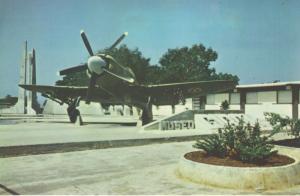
(74, 79)
(176, 65)
(191, 64)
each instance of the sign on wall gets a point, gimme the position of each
(177, 125)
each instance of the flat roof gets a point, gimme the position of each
(275, 84)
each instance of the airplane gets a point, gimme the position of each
(114, 84)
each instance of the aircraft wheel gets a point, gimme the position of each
(146, 116)
(73, 115)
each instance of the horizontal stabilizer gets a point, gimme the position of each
(74, 69)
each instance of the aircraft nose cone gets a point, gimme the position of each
(96, 64)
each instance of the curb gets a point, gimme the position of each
(24, 150)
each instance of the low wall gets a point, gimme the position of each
(251, 178)
(258, 110)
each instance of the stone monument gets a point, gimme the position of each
(20, 107)
(32, 103)
(25, 105)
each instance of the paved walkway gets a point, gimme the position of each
(131, 170)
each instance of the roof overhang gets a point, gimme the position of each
(268, 86)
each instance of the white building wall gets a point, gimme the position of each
(53, 107)
(167, 110)
(217, 99)
(267, 97)
(266, 102)
(90, 109)
(258, 110)
(218, 107)
(260, 102)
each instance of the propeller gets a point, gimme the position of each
(95, 65)
(86, 43)
(92, 66)
(118, 40)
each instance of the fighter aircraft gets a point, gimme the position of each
(114, 84)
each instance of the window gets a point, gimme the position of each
(266, 96)
(210, 99)
(220, 97)
(284, 96)
(251, 98)
(235, 98)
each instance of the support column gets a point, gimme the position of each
(295, 102)
(20, 107)
(202, 102)
(173, 109)
(243, 100)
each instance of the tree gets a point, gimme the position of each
(154, 75)
(226, 76)
(74, 79)
(191, 64)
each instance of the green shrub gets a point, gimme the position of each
(224, 105)
(287, 124)
(212, 145)
(242, 142)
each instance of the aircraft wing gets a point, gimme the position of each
(165, 94)
(65, 93)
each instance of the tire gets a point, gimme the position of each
(73, 115)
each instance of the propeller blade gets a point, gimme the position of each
(78, 68)
(119, 40)
(90, 88)
(86, 43)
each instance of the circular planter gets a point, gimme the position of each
(243, 178)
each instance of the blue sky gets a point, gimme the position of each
(259, 40)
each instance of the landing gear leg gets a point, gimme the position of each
(72, 110)
(147, 115)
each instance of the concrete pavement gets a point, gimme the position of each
(132, 170)
(149, 169)
(57, 129)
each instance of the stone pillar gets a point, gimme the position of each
(32, 104)
(20, 107)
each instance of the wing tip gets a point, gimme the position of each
(25, 86)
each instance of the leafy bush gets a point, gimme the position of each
(224, 105)
(242, 142)
(287, 124)
(212, 145)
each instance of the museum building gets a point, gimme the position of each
(256, 99)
